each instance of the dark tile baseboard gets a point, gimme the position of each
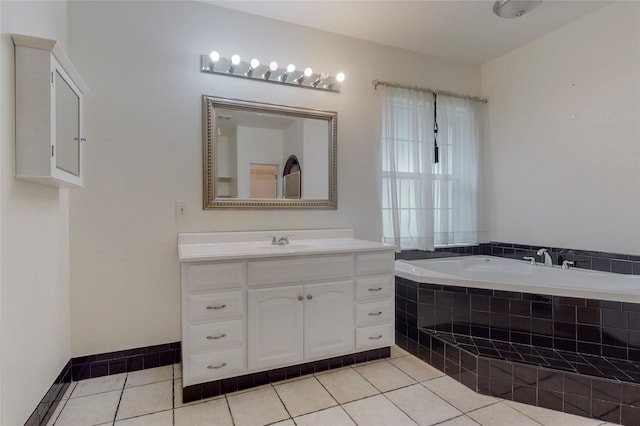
(91, 366)
(107, 364)
(233, 384)
(47, 406)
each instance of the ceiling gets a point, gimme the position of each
(459, 30)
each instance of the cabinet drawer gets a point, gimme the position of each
(300, 270)
(213, 276)
(215, 365)
(215, 306)
(375, 287)
(374, 313)
(375, 263)
(377, 336)
(223, 334)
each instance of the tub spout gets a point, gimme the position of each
(547, 257)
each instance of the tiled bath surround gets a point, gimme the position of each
(585, 259)
(580, 356)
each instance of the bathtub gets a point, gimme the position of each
(520, 276)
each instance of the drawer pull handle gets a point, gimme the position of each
(375, 314)
(375, 289)
(376, 338)
(215, 367)
(217, 337)
(217, 307)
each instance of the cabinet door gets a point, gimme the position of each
(328, 319)
(275, 326)
(67, 137)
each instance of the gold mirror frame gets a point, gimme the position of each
(210, 199)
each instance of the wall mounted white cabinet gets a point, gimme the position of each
(249, 307)
(49, 127)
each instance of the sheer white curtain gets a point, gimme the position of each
(406, 157)
(425, 204)
(456, 175)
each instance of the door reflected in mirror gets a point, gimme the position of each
(271, 156)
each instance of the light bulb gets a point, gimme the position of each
(214, 56)
(235, 59)
(273, 66)
(307, 72)
(340, 77)
(291, 68)
(255, 63)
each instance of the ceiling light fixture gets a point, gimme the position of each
(254, 70)
(514, 8)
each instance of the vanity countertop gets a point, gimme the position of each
(194, 247)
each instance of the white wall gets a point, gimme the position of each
(563, 159)
(34, 225)
(315, 175)
(144, 149)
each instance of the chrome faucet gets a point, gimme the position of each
(281, 241)
(530, 259)
(547, 257)
(567, 263)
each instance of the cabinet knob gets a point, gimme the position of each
(300, 298)
(309, 297)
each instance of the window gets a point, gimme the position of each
(426, 204)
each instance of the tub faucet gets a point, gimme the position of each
(530, 259)
(547, 257)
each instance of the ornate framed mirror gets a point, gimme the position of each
(248, 148)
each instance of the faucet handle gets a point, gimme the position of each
(532, 260)
(273, 238)
(567, 263)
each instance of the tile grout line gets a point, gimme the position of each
(525, 414)
(383, 394)
(226, 399)
(65, 404)
(339, 405)
(115, 415)
(283, 404)
(173, 394)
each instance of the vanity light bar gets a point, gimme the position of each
(271, 73)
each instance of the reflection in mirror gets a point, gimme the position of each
(255, 154)
(67, 127)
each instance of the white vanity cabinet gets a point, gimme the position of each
(294, 323)
(213, 320)
(375, 304)
(49, 125)
(248, 307)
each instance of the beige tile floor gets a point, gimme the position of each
(398, 391)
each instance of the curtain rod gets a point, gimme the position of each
(377, 83)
